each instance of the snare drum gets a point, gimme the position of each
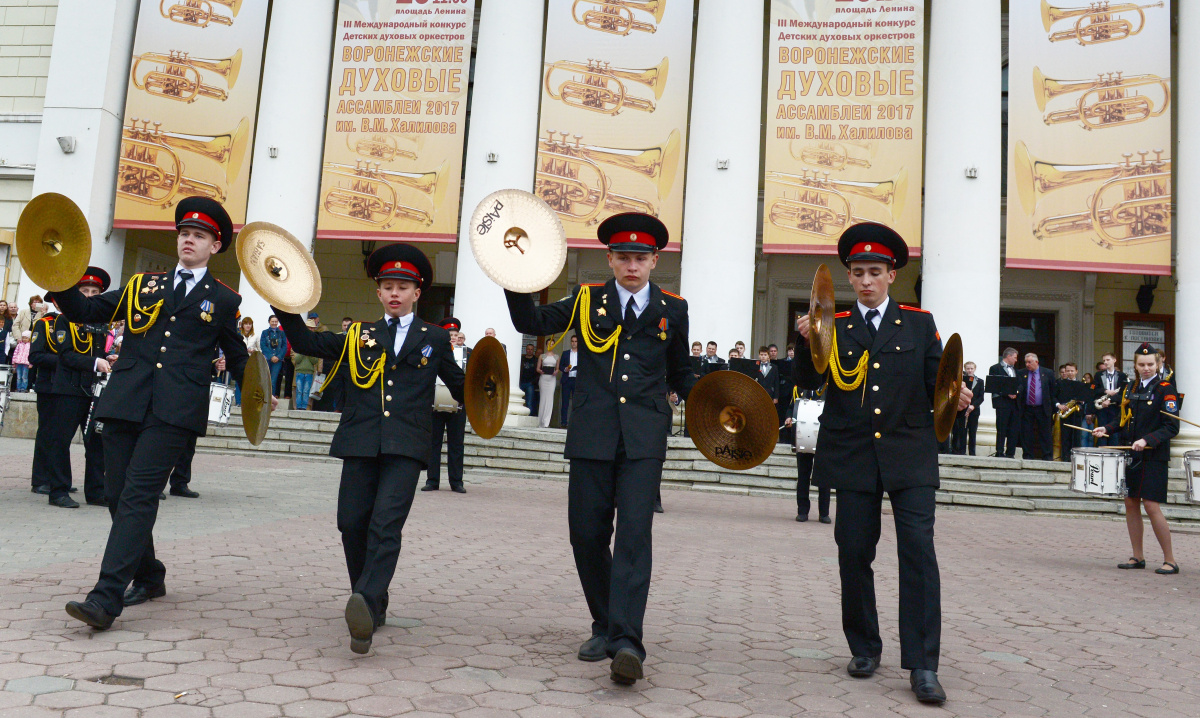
(442, 401)
(1099, 471)
(1191, 468)
(220, 403)
(6, 372)
(806, 415)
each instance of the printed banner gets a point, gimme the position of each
(190, 110)
(844, 121)
(615, 89)
(1089, 127)
(397, 121)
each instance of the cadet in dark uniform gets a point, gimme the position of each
(635, 345)
(452, 425)
(81, 354)
(384, 434)
(157, 398)
(1142, 424)
(877, 436)
(43, 355)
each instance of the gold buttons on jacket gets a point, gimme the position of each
(875, 388)
(624, 377)
(622, 400)
(627, 357)
(162, 349)
(167, 334)
(172, 318)
(158, 365)
(877, 411)
(876, 365)
(389, 382)
(387, 413)
(878, 435)
(389, 398)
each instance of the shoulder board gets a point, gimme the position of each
(915, 309)
(223, 284)
(593, 284)
(671, 294)
(841, 315)
(1164, 383)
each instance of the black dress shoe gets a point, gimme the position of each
(626, 667)
(65, 502)
(429, 487)
(97, 502)
(802, 517)
(458, 488)
(44, 490)
(90, 613)
(185, 492)
(162, 496)
(863, 666)
(926, 687)
(826, 520)
(594, 649)
(360, 622)
(658, 509)
(140, 594)
(72, 490)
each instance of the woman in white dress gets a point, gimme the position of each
(547, 372)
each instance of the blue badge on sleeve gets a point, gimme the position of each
(426, 351)
(1171, 405)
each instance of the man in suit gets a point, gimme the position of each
(767, 376)
(966, 424)
(635, 339)
(1008, 417)
(1111, 382)
(157, 398)
(1067, 384)
(1036, 407)
(451, 424)
(711, 360)
(568, 366)
(528, 379)
(877, 436)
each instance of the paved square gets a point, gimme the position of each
(486, 611)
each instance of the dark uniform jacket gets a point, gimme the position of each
(997, 369)
(883, 430)
(769, 381)
(43, 352)
(77, 357)
(167, 352)
(1147, 421)
(393, 414)
(650, 355)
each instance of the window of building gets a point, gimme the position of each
(1029, 332)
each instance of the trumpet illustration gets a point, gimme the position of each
(1131, 205)
(1107, 101)
(833, 156)
(821, 207)
(152, 171)
(572, 181)
(371, 195)
(599, 87)
(617, 16)
(176, 76)
(380, 147)
(199, 13)
(1097, 23)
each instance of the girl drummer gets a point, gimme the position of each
(1143, 424)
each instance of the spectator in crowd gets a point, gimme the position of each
(6, 326)
(1036, 406)
(346, 322)
(20, 361)
(1110, 382)
(791, 352)
(273, 344)
(713, 361)
(116, 332)
(246, 328)
(568, 367)
(741, 349)
(1008, 417)
(547, 371)
(287, 375)
(697, 349)
(24, 323)
(733, 354)
(306, 367)
(966, 424)
(768, 376)
(529, 378)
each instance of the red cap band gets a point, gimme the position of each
(633, 238)
(208, 222)
(92, 279)
(390, 268)
(872, 248)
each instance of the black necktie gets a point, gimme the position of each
(630, 315)
(181, 287)
(393, 322)
(871, 314)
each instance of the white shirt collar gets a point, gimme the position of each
(197, 273)
(863, 309)
(405, 321)
(640, 300)
(1146, 382)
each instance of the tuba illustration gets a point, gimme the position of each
(1097, 23)
(371, 195)
(380, 147)
(1107, 101)
(616, 16)
(199, 13)
(572, 181)
(598, 87)
(151, 169)
(833, 156)
(1131, 206)
(176, 76)
(821, 206)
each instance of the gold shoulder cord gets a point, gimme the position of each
(133, 304)
(361, 379)
(79, 345)
(1126, 406)
(583, 308)
(853, 378)
(49, 329)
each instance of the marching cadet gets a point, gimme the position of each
(384, 434)
(80, 355)
(635, 339)
(43, 355)
(157, 398)
(449, 424)
(877, 436)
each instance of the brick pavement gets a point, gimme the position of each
(487, 612)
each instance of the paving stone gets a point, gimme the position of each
(38, 685)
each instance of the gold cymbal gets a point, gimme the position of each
(821, 309)
(518, 241)
(256, 398)
(947, 388)
(485, 392)
(53, 241)
(732, 420)
(279, 267)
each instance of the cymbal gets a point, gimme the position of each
(279, 267)
(732, 420)
(518, 241)
(821, 309)
(256, 398)
(53, 241)
(947, 387)
(485, 392)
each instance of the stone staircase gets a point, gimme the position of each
(968, 483)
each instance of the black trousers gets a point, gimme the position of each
(181, 475)
(804, 465)
(568, 388)
(454, 426)
(138, 457)
(1069, 438)
(1035, 433)
(965, 429)
(41, 472)
(1008, 428)
(617, 582)
(374, 499)
(857, 534)
(68, 414)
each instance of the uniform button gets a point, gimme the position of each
(622, 400)
(388, 397)
(875, 388)
(877, 411)
(162, 349)
(158, 365)
(389, 382)
(393, 367)
(876, 365)
(388, 413)
(878, 435)
(167, 334)
(172, 318)
(850, 354)
(897, 348)
(624, 377)
(627, 357)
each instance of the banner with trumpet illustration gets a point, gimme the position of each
(845, 125)
(397, 121)
(190, 109)
(1089, 136)
(616, 82)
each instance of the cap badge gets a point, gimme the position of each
(633, 235)
(867, 248)
(195, 215)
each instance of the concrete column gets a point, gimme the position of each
(291, 118)
(961, 253)
(85, 100)
(504, 121)
(721, 210)
(1186, 358)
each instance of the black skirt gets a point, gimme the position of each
(1147, 480)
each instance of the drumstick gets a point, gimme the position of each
(1180, 418)
(1072, 426)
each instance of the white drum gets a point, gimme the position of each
(220, 403)
(442, 401)
(1191, 468)
(806, 415)
(6, 373)
(1099, 471)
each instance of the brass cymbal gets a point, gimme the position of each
(256, 398)
(485, 392)
(53, 241)
(821, 309)
(518, 241)
(947, 388)
(279, 267)
(732, 420)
